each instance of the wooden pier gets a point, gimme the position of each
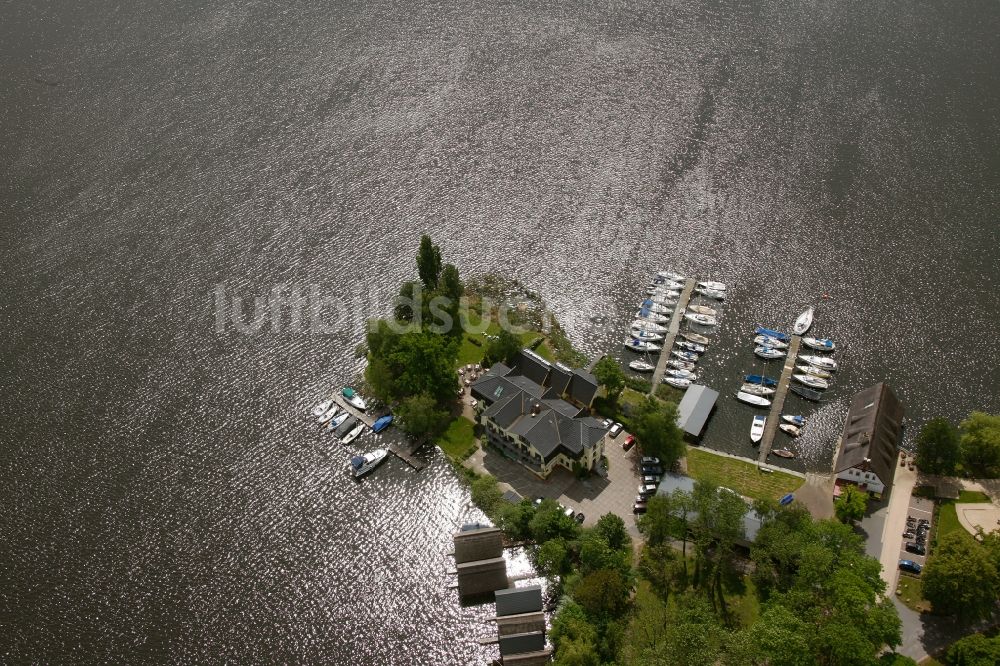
(367, 419)
(405, 450)
(673, 328)
(774, 418)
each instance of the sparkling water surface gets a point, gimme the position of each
(166, 495)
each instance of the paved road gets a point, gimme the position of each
(895, 525)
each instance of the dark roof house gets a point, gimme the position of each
(870, 441)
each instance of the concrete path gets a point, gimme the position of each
(895, 525)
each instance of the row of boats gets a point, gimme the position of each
(346, 427)
(791, 424)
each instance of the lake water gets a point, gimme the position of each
(166, 496)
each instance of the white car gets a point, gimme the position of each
(616, 430)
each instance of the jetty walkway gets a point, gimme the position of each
(402, 450)
(673, 328)
(774, 418)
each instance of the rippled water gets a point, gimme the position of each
(165, 495)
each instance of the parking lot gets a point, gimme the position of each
(919, 509)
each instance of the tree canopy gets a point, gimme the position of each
(974, 650)
(960, 577)
(502, 349)
(429, 262)
(851, 505)
(981, 445)
(609, 375)
(938, 450)
(655, 427)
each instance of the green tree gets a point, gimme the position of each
(486, 494)
(896, 659)
(612, 529)
(450, 285)
(502, 349)
(423, 362)
(408, 302)
(851, 505)
(974, 650)
(603, 594)
(609, 375)
(574, 637)
(420, 416)
(550, 522)
(960, 578)
(552, 559)
(778, 638)
(938, 449)
(515, 519)
(655, 426)
(429, 262)
(981, 445)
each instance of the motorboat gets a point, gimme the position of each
(714, 286)
(346, 427)
(703, 309)
(760, 379)
(641, 345)
(690, 346)
(704, 320)
(771, 333)
(757, 389)
(815, 372)
(711, 293)
(662, 292)
(677, 382)
(337, 422)
(322, 408)
(667, 285)
(352, 397)
(806, 393)
(654, 317)
(328, 414)
(656, 307)
(769, 353)
(667, 275)
(682, 374)
(821, 362)
(641, 366)
(640, 334)
(803, 322)
(382, 423)
(695, 337)
(757, 428)
(650, 326)
(353, 434)
(361, 465)
(811, 382)
(783, 453)
(751, 399)
(690, 357)
(680, 365)
(790, 429)
(794, 419)
(821, 344)
(768, 341)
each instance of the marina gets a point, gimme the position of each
(778, 401)
(671, 334)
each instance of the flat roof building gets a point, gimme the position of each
(695, 407)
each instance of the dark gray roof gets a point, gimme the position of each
(519, 600)
(532, 366)
(525, 384)
(559, 379)
(695, 407)
(583, 387)
(506, 411)
(498, 369)
(561, 406)
(871, 432)
(512, 496)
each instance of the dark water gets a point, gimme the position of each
(166, 498)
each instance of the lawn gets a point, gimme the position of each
(947, 518)
(910, 591)
(741, 476)
(458, 441)
(470, 352)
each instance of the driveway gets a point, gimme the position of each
(895, 525)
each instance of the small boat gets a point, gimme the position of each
(757, 389)
(806, 393)
(667, 275)
(768, 341)
(677, 382)
(322, 407)
(815, 372)
(757, 428)
(821, 362)
(662, 300)
(821, 344)
(353, 434)
(711, 293)
(714, 286)
(783, 453)
(771, 333)
(328, 414)
(346, 427)
(382, 423)
(651, 316)
(769, 353)
(760, 379)
(361, 465)
(656, 307)
(648, 336)
(352, 397)
(690, 357)
(641, 345)
(641, 366)
(690, 346)
(661, 292)
(650, 326)
(695, 337)
(680, 365)
(667, 285)
(337, 422)
(795, 419)
(803, 322)
(751, 399)
(811, 382)
(790, 429)
(682, 374)
(703, 309)
(704, 320)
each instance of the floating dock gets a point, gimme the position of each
(673, 328)
(367, 419)
(405, 450)
(774, 418)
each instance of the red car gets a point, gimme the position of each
(628, 443)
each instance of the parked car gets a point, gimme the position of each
(651, 480)
(640, 499)
(908, 535)
(915, 548)
(638, 508)
(607, 423)
(647, 490)
(628, 443)
(652, 470)
(647, 460)
(580, 518)
(616, 430)
(911, 566)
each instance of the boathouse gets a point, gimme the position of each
(695, 406)
(869, 450)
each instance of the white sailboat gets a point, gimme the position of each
(755, 400)
(803, 322)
